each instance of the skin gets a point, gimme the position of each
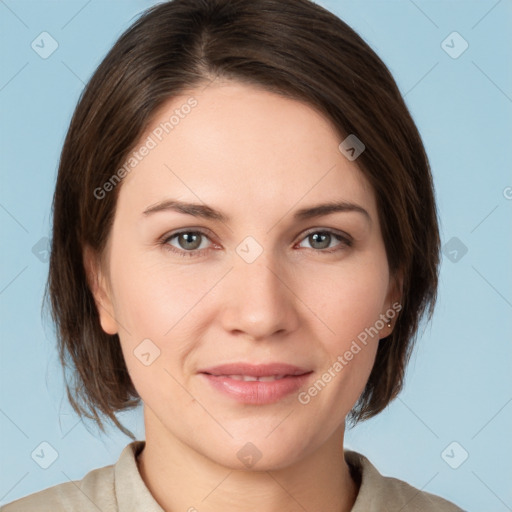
(257, 157)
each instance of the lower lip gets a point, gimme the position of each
(257, 392)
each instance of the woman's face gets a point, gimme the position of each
(249, 280)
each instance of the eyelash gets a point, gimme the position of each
(347, 241)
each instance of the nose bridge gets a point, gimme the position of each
(261, 278)
(259, 302)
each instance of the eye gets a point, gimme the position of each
(320, 240)
(189, 243)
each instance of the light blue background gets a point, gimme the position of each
(458, 384)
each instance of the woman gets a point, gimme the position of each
(245, 239)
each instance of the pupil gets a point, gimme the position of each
(188, 242)
(324, 236)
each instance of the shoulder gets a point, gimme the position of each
(114, 488)
(96, 487)
(378, 492)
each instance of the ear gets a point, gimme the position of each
(98, 284)
(393, 302)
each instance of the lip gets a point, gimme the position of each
(259, 370)
(256, 392)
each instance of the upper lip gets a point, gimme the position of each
(260, 370)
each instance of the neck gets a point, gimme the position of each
(181, 479)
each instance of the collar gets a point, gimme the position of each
(132, 494)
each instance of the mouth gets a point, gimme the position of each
(251, 378)
(246, 370)
(256, 384)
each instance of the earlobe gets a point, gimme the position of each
(97, 283)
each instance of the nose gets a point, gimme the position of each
(258, 299)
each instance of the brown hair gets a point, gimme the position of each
(291, 47)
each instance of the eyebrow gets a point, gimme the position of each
(206, 212)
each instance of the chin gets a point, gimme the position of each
(257, 450)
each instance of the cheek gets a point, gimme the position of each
(349, 304)
(347, 298)
(151, 298)
(152, 305)
(160, 303)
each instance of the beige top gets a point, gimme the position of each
(120, 488)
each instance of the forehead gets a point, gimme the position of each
(242, 145)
